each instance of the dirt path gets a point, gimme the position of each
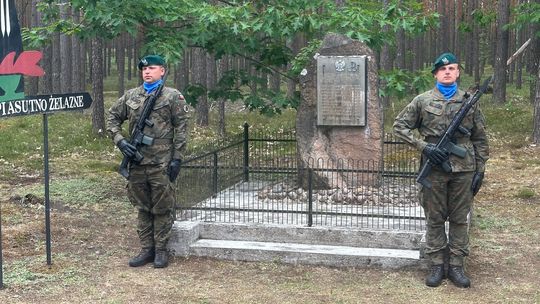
(92, 242)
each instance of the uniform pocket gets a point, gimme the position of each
(161, 115)
(434, 110)
(132, 104)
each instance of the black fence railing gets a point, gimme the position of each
(257, 179)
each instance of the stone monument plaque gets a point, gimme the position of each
(342, 87)
(339, 121)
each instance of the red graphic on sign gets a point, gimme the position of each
(26, 64)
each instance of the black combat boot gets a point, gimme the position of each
(435, 275)
(458, 277)
(144, 257)
(162, 258)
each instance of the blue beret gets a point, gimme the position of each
(151, 60)
(443, 59)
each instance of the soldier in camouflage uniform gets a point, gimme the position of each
(451, 196)
(151, 182)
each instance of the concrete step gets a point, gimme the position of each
(311, 254)
(355, 237)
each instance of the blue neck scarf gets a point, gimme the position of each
(149, 87)
(447, 90)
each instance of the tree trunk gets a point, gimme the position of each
(534, 62)
(211, 72)
(458, 35)
(499, 83)
(275, 82)
(120, 64)
(475, 55)
(296, 45)
(181, 75)
(519, 61)
(90, 56)
(223, 67)
(33, 82)
(55, 66)
(450, 30)
(65, 53)
(399, 61)
(536, 118)
(199, 78)
(77, 67)
(98, 110)
(130, 54)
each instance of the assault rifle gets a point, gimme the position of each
(138, 138)
(446, 143)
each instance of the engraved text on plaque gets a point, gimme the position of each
(341, 90)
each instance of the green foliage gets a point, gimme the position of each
(259, 31)
(229, 86)
(192, 92)
(304, 57)
(38, 37)
(402, 83)
(483, 17)
(525, 14)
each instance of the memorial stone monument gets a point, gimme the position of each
(340, 120)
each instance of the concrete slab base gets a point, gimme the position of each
(328, 246)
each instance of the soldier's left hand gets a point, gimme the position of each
(477, 182)
(174, 169)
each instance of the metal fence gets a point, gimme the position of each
(255, 178)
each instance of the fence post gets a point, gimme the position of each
(215, 175)
(310, 198)
(246, 152)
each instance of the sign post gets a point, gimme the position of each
(14, 64)
(46, 183)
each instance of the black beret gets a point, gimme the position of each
(151, 60)
(443, 59)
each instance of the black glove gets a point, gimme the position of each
(126, 148)
(477, 182)
(174, 169)
(434, 154)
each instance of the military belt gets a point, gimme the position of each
(163, 141)
(458, 140)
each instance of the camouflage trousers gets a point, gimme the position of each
(151, 192)
(450, 199)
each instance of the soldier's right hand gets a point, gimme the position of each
(434, 154)
(126, 148)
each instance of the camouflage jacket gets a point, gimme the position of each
(169, 116)
(430, 114)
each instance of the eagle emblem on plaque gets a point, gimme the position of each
(340, 65)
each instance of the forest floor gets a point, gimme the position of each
(93, 236)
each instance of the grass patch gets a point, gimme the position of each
(33, 270)
(525, 193)
(494, 223)
(82, 191)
